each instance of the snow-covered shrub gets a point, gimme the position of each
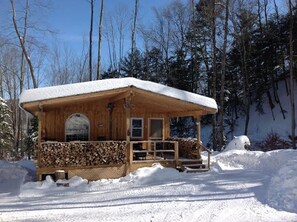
(273, 141)
(239, 143)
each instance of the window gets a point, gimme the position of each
(77, 128)
(156, 128)
(136, 128)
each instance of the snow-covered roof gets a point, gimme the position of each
(60, 91)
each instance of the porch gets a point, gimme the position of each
(101, 159)
(105, 159)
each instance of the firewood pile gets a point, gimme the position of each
(82, 154)
(187, 148)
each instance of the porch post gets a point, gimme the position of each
(40, 116)
(127, 106)
(110, 107)
(198, 127)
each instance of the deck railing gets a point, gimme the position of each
(153, 151)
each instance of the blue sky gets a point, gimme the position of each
(70, 19)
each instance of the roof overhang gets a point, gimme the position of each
(148, 95)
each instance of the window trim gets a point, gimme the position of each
(131, 127)
(89, 125)
(149, 128)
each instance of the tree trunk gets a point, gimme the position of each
(22, 43)
(99, 40)
(133, 38)
(292, 85)
(91, 40)
(214, 75)
(222, 94)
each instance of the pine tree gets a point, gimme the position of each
(6, 133)
(132, 63)
(32, 135)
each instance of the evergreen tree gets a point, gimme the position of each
(6, 133)
(32, 136)
(154, 66)
(132, 65)
(110, 73)
(179, 76)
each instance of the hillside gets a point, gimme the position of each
(262, 124)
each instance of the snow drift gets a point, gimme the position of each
(12, 177)
(279, 165)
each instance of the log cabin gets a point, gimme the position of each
(109, 128)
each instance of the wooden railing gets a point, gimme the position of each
(208, 155)
(153, 151)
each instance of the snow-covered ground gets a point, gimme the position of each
(241, 186)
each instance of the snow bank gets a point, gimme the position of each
(269, 162)
(12, 177)
(150, 175)
(280, 165)
(282, 191)
(30, 167)
(238, 143)
(49, 186)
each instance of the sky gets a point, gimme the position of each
(70, 20)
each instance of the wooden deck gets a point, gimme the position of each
(94, 160)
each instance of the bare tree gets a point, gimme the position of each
(224, 55)
(22, 44)
(91, 39)
(133, 36)
(214, 69)
(99, 40)
(62, 66)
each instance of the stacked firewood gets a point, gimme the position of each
(81, 154)
(187, 148)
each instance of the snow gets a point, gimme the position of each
(262, 124)
(53, 92)
(241, 186)
(238, 143)
(12, 177)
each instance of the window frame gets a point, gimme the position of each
(149, 129)
(81, 115)
(131, 127)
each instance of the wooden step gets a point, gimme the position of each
(191, 170)
(195, 166)
(194, 161)
(192, 166)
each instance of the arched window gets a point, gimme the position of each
(77, 127)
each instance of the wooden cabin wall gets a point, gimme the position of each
(96, 112)
(98, 115)
(146, 114)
